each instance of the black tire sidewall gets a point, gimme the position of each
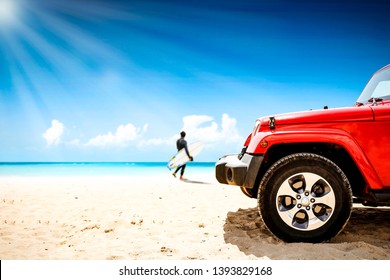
(290, 166)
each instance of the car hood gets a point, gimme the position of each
(347, 114)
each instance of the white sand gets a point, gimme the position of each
(159, 217)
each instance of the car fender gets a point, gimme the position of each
(263, 141)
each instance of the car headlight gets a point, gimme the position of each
(256, 127)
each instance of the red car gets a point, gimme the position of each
(307, 169)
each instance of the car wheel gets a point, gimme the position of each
(305, 198)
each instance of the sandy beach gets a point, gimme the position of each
(159, 217)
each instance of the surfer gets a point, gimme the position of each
(181, 143)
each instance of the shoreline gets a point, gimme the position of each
(87, 169)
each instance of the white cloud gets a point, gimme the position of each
(220, 134)
(54, 133)
(74, 142)
(203, 128)
(194, 121)
(229, 129)
(154, 142)
(206, 129)
(123, 135)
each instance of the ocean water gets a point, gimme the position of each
(97, 168)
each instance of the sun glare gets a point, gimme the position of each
(7, 11)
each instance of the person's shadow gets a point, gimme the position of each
(195, 182)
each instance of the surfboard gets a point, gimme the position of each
(181, 157)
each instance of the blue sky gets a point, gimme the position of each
(118, 80)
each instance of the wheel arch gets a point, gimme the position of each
(334, 152)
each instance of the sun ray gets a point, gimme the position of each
(79, 41)
(75, 50)
(8, 10)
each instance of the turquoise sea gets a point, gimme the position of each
(96, 168)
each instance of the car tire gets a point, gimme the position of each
(305, 197)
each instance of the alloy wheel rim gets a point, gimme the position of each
(305, 201)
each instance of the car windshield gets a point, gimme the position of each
(377, 88)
